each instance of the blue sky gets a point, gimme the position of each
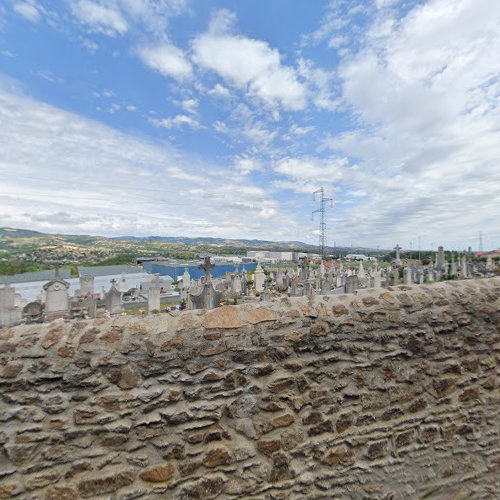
(220, 118)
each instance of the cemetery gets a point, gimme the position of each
(102, 291)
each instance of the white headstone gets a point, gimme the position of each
(259, 279)
(113, 300)
(154, 294)
(407, 276)
(361, 271)
(186, 278)
(57, 297)
(123, 285)
(10, 313)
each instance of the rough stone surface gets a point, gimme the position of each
(384, 394)
(223, 317)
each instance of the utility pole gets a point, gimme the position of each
(419, 257)
(322, 219)
(480, 241)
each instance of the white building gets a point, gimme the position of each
(273, 257)
(358, 257)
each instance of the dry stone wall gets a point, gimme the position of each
(385, 394)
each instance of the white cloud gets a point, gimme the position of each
(100, 18)
(245, 166)
(259, 134)
(167, 60)
(425, 93)
(221, 127)
(63, 173)
(219, 91)
(177, 122)
(28, 10)
(312, 169)
(300, 131)
(189, 105)
(153, 15)
(248, 64)
(320, 84)
(90, 45)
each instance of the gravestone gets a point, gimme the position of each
(397, 260)
(304, 269)
(86, 285)
(407, 276)
(361, 271)
(430, 274)
(154, 294)
(351, 284)
(113, 300)
(325, 287)
(440, 259)
(123, 285)
(464, 268)
(377, 278)
(186, 278)
(453, 266)
(237, 285)
(56, 298)
(33, 312)
(489, 264)
(259, 278)
(208, 297)
(90, 305)
(10, 313)
(395, 277)
(339, 282)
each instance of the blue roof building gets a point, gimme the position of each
(176, 269)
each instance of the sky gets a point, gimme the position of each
(221, 118)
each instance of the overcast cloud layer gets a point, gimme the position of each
(177, 117)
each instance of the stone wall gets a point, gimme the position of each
(386, 394)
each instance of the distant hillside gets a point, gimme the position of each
(42, 247)
(19, 233)
(217, 241)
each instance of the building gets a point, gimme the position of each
(175, 268)
(272, 257)
(359, 257)
(30, 285)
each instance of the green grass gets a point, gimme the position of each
(8, 268)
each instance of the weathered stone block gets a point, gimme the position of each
(161, 473)
(339, 456)
(107, 482)
(217, 456)
(377, 450)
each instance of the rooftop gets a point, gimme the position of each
(109, 270)
(35, 276)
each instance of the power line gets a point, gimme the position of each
(322, 219)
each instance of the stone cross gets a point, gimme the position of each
(398, 249)
(304, 268)
(207, 266)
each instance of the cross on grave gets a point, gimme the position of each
(398, 249)
(207, 266)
